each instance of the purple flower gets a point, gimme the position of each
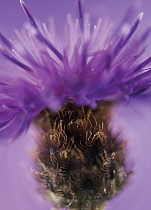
(87, 64)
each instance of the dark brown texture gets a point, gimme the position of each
(82, 165)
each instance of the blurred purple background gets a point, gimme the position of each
(17, 188)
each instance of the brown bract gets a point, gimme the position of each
(81, 163)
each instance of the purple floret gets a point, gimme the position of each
(87, 65)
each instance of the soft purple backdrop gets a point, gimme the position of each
(17, 189)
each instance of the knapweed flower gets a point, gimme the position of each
(68, 85)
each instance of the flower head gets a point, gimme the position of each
(67, 85)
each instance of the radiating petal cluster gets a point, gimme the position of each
(87, 65)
